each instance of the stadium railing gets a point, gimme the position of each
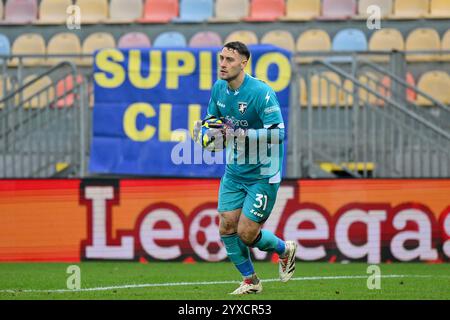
(43, 130)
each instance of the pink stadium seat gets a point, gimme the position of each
(266, 10)
(21, 11)
(134, 40)
(159, 11)
(338, 9)
(205, 39)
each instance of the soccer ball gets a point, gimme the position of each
(205, 238)
(209, 141)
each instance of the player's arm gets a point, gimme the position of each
(269, 112)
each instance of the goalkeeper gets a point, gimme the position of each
(249, 187)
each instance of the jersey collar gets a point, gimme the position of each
(236, 92)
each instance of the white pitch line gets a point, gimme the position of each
(171, 284)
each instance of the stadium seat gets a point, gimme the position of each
(301, 10)
(245, 36)
(20, 11)
(410, 93)
(40, 93)
(63, 43)
(134, 40)
(159, 11)
(230, 10)
(303, 93)
(423, 39)
(5, 46)
(5, 88)
(386, 8)
(325, 89)
(312, 40)
(279, 38)
(170, 39)
(266, 10)
(63, 88)
(338, 9)
(195, 11)
(96, 41)
(29, 43)
(445, 46)
(349, 40)
(205, 39)
(125, 11)
(386, 39)
(93, 11)
(439, 9)
(436, 84)
(53, 11)
(410, 9)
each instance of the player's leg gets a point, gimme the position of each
(258, 205)
(231, 199)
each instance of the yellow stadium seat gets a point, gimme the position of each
(369, 79)
(325, 89)
(245, 36)
(312, 40)
(385, 6)
(445, 46)
(93, 11)
(439, 9)
(303, 98)
(423, 39)
(96, 41)
(64, 43)
(125, 11)
(5, 88)
(410, 9)
(386, 39)
(53, 11)
(230, 10)
(40, 93)
(29, 43)
(436, 84)
(280, 38)
(301, 10)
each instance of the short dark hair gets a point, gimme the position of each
(239, 47)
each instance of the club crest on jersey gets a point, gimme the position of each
(242, 107)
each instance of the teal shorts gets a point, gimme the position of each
(255, 199)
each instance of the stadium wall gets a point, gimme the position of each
(377, 220)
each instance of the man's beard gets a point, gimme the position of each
(231, 78)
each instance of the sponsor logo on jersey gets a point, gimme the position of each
(220, 104)
(271, 109)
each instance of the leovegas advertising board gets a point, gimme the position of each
(176, 219)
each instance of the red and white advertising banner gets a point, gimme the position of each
(176, 219)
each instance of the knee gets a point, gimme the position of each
(246, 236)
(227, 227)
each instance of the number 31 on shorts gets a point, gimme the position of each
(262, 201)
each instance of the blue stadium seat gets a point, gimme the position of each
(170, 39)
(195, 11)
(5, 46)
(348, 40)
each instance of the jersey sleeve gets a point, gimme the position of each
(269, 109)
(269, 112)
(213, 109)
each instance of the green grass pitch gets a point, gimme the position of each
(204, 281)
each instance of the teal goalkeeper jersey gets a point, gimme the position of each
(254, 107)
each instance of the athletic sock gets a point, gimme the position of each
(267, 241)
(239, 254)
